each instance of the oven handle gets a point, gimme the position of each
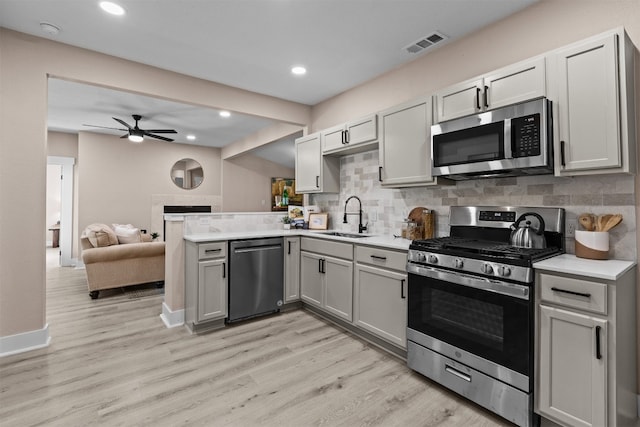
(482, 283)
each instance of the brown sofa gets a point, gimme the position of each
(111, 264)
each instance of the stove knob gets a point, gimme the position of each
(458, 263)
(420, 257)
(433, 259)
(486, 268)
(504, 271)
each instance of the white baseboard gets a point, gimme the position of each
(170, 318)
(27, 341)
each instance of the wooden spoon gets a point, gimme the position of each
(587, 221)
(602, 221)
(612, 222)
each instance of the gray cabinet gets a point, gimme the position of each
(380, 293)
(516, 83)
(586, 349)
(326, 274)
(357, 135)
(291, 269)
(593, 94)
(314, 172)
(205, 283)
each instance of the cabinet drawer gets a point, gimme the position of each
(573, 292)
(212, 250)
(327, 247)
(381, 257)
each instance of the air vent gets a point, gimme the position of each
(424, 43)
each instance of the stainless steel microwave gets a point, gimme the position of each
(509, 141)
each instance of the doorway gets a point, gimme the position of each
(60, 197)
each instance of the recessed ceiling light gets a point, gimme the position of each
(299, 70)
(112, 8)
(225, 114)
(50, 29)
(191, 137)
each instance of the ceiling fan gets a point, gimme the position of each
(135, 134)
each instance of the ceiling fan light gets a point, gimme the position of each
(135, 138)
(112, 8)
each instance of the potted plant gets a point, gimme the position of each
(154, 236)
(287, 222)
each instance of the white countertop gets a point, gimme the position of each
(384, 241)
(610, 269)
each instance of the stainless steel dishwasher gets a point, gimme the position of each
(256, 277)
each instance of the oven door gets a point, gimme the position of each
(489, 320)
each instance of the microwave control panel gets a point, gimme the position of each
(525, 134)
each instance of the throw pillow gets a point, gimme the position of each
(100, 235)
(127, 233)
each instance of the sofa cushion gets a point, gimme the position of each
(119, 252)
(127, 233)
(100, 235)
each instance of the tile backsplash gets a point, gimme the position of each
(385, 209)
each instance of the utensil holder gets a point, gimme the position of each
(592, 244)
(429, 224)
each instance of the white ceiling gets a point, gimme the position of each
(249, 44)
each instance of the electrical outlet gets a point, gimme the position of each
(571, 229)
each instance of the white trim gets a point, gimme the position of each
(27, 341)
(66, 207)
(170, 318)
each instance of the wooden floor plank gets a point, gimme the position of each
(113, 362)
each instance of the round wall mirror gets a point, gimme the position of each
(187, 174)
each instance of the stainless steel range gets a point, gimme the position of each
(471, 306)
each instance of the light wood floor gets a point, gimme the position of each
(112, 362)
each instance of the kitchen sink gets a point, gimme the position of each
(340, 234)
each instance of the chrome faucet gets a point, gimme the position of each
(361, 227)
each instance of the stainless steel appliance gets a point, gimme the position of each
(471, 307)
(509, 141)
(256, 277)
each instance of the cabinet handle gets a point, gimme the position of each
(562, 162)
(342, 137)
(317, 181)
(381, 258)
(212, 250)
(478, 98)
(598, 353)
(402, 295)
(346, 136)
(380, 173)
(486, 96)
(455, 372)
(565, 291)
(224, 270)
(323, 271)
(319, 265)
(289, 250)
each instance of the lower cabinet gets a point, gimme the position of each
(327, 280)
(380, 291)
(205, 283)
(291, 269)
(586, 359)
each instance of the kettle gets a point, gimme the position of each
(527, 236)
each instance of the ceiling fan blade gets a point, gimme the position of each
(122, 123)
(126, 135)
(161, 130)
(104, 127)
(158, 136)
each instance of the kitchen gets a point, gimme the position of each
(616, 192)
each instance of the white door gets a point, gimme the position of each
(291, 269)
(311, 278)
(338, 277)
(459, 100)
(308, 163)
(212, 290)
(518, 83)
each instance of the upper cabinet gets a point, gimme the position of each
(405, 145)
(517, 83)
(352, 137)
(592, 89)
(314, 172)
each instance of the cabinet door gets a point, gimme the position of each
(338, 278)
(308, 163)
(311, 278)
(363, 130)
(573, 380)
(381, 303)
(459, 100)
(588, 122)
(405, 144)
(292, 269)
(518, 83)
(212, 290)
(333, 138)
